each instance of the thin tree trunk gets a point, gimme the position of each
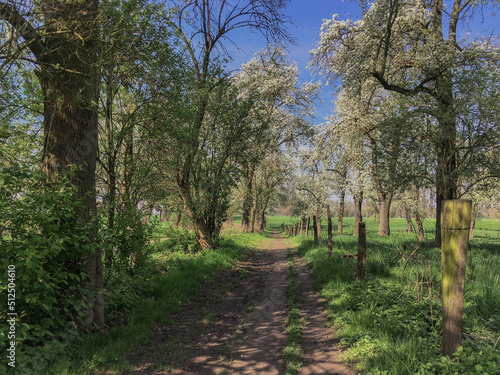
(308, 225)
(262, 217)
(420, 226)
(384, 228)
(472, 229)
(315, 229)
(254, 207)
(409, 224)
(178, 219)
(341, 212)
(247, 200)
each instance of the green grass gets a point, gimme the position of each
(274, 222)
(174, 278)
(292, 352)
(390, 325)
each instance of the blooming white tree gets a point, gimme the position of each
(402, 47)
(285, 104)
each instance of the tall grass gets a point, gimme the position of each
(391, 323)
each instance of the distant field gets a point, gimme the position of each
(484, 227)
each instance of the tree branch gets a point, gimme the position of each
(9, 13)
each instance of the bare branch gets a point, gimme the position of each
(9, 13)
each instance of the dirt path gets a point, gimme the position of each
(214, 334)
(321, 353)
(261, 350)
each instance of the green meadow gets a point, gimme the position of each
(391, 323)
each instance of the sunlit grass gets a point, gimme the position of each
(391, 324)
(294, 322)
(163, 295)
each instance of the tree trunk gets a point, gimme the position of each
(262, 217)
(308, 225)
(164, 217)
(456, 223)
(69, 81)
(247, 199)
(203, 236)
(341, 212)
(315, 229)
(409, 224)
(446, 177)
(128, 169)
(385, 200)
(472, 229)
(253, 212)
(358, 203)
(420, 226)
(178, 218)
(318, 222)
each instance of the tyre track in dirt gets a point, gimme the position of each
(321, 351)
(261, 349)
(214, 334)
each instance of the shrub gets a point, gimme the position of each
(44, 239)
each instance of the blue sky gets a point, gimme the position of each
(307, 17)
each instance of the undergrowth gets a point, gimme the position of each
(391, 323)
(173, 273)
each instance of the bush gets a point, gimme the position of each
(43, 238)
(126, 241)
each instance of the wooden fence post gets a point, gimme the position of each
(330, 240)
(360, 275)
(455, 227)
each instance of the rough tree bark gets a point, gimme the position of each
(385, 200)
(420, 226)
(69, 79)
(409, 224)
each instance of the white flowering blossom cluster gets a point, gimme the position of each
(408, 85)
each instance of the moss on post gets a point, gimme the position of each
(455, 226)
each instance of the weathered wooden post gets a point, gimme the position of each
(455, 227)
(307, 227)
(330, 240)
(360, 275)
